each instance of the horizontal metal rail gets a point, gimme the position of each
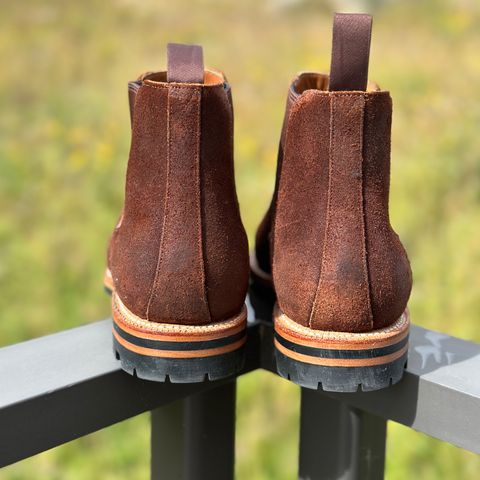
(63, 386)
(439, 394)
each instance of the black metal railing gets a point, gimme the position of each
(63, 386)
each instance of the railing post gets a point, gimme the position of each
(194, 438)
(338, 441)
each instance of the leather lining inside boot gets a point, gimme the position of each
(318, 81)
(211, 77)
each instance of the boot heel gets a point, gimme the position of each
(340, 361)
(177, 353)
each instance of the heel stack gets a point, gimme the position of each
(177, 353)
(340, 361)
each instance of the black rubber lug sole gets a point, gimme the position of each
(180, 370)
(341, 379)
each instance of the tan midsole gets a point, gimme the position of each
(146, 329)
(341, 362)
(323, 339)
(152, 352)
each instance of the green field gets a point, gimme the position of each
(64, 140)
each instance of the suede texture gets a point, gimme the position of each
(301, 206)
(337, 263)
(263, 237)
(225, 240)
(388, 265)
(179, 253)
(136, 239)
(342, 296)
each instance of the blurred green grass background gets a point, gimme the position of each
(64, 140)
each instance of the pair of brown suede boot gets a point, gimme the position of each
(178, 263)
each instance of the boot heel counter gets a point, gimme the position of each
(347, 301)
(224, 238)
(178, 292)
(181, 236)
(388, 265)
(157, 259)
(342, 300)
(391, 280)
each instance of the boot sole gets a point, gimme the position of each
(340, 361)
(165, 352)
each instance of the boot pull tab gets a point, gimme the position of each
(184, 63)
(350, 51)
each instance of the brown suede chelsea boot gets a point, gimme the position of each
(341, 276)
(178, 258)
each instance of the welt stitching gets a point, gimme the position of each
(327, 216)
(165, 214)
(366, 95)
(173, 85)
(359, 94)
(362, 217)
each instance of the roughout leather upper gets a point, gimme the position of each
(337, 263)
(179, 253)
